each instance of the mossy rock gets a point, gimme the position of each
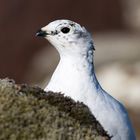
(29, 113)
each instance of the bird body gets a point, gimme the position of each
(75, 77)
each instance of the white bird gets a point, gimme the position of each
(75, 77)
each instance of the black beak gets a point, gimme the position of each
(41, 33)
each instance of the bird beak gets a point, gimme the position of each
(41, 33)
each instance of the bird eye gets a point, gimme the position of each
(65, 30)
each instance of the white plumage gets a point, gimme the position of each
(75, 77)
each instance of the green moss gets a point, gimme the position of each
(28, 113)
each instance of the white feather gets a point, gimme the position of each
(75, 77)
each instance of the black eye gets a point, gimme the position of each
(65, 30)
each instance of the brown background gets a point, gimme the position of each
(116, 28)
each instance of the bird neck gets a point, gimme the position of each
(81, 64)
(75, 77)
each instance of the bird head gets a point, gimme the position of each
(66, 35)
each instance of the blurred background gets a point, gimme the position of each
(115, 26)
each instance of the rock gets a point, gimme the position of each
(31, 113)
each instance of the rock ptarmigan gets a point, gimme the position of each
(75, 77)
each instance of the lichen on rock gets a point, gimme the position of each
(29, 113)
